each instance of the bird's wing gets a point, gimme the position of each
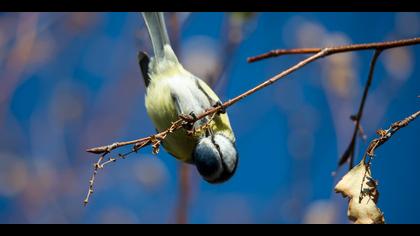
(222, 120)
(155, 23)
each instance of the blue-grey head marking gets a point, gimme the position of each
(216, 158)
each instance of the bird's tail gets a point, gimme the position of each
(155, 23)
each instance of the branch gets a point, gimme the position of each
(96, 166)
(141, 142)
(185, 119)
(338, 49)
(188, 121)
(154, 140)
(385, 135)
(184, 194)
(378, 47)
(349, 153)
(183, 171)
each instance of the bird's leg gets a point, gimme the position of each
(222, 109)
(189, 120)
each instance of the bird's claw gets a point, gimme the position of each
(189, 120)
(222, 109)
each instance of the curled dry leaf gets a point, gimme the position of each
(360, 188)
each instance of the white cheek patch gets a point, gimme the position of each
(207, 148)
(228, 151)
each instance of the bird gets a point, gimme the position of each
(172, 92)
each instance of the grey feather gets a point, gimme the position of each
(155, 23)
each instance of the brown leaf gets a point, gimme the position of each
(363, 198)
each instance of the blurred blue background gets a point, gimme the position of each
(70, 81)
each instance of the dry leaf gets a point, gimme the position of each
(362, 205)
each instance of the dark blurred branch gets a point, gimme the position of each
(230, 44)
(349, 153)
(339, 49)
(184, 194)
(18, 58)
(181, 214)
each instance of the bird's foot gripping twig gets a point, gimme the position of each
(222, 109)
(189, 120)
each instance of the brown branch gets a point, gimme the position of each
(191, 120)
(96, 166)
(141, 142)
(378, 47)
(186, 120)
(349, 153)
(385, 135)
(153, 140)
(322, 53)
(338, 49)
(282, 52)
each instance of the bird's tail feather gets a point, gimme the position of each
(155, 23)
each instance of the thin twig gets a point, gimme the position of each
(154, 140)
(338, 49)
(349, 153)
(96, 166)
(281, 52)
(384, 135)
(138, 143)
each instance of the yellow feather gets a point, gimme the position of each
(162, 110)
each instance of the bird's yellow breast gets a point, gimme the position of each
(162, 109)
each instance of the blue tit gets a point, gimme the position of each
(172, 91)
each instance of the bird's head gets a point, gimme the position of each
(216, 158)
